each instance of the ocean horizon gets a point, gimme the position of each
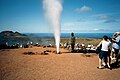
(79, 35)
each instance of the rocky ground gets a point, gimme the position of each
(14, 65)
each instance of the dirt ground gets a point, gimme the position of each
(14, 65)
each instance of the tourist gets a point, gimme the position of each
(109, 53)
(6, 43)
(104, 52)
(65, 45)
(77, 46)
(116, 45)
(31, 44)
(83, 44)
(72, 41)
(112, 56)
(89, 46)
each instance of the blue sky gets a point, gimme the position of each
(77, 16)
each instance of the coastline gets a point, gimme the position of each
(45, 39)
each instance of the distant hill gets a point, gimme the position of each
(11, 34)
(12, 38)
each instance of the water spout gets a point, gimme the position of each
(53, 9)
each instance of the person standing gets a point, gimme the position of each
(116, 45)
(104, 51)
(72, 41)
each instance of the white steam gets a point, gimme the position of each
(53, 9)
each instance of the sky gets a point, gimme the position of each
(79, 16)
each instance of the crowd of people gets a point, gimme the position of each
(77, 47)
(16, 45)
(108, 49)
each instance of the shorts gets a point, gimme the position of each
(103, 54)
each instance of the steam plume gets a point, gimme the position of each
(53, 9)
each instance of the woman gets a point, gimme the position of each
(104, 51)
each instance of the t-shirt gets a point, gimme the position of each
(117, 45)
(105, 45)
(73, 40)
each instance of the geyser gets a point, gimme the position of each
(53, 9)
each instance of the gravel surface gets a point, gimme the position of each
(14, 65)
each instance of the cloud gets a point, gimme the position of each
(96, 29)
(110, 21)
(83, 9)
(107, 18)
(104, 17)
(103, 30)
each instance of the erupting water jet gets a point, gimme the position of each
(53, 9)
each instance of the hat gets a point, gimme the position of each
(117, 32)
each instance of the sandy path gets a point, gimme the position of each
(66, 66)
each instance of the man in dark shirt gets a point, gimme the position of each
(72, 41)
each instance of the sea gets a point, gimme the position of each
(47, 38)
(81, 35)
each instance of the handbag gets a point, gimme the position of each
(98, 50)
